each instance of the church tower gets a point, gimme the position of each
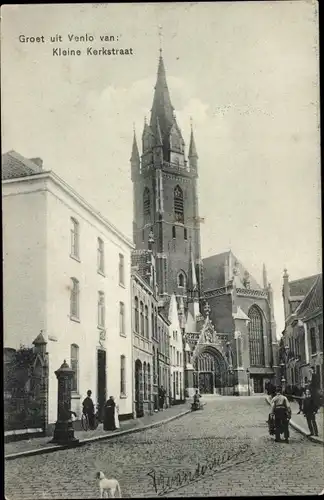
(166, 198)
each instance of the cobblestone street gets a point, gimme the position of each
(224, 450)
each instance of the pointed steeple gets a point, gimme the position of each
(193, 283)
(192, 146)
(265, 277)
(162, 107)
(158, 135)
(135, 154)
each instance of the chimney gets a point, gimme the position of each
(38, 162)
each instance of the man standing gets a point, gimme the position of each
(88, 409)
(161, 397)
(281, 410)
(309, 410)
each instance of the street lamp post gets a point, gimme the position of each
(248, 380)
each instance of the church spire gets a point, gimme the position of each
(162, 107)
(265, 277)
(135, 154)
(192, 147)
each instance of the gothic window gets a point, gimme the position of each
(256, 337)
(182, 280)
(178, 205)
(146, 205)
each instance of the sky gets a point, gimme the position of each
(246, 72)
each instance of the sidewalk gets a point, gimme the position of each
(299, 422)
(40, 445)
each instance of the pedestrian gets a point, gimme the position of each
(109, 415)
(310, 409)
(281, 410)
(89, 410)
(301, 394)
(161, 397)
(117, 425)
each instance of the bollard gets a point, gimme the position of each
(64, 432)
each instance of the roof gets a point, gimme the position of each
(301, 286)
(313, 302)
(14, 165)
(215, 271)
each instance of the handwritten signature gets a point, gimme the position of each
(162, 484)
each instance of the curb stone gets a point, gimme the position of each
(51, 449)
(299, 429)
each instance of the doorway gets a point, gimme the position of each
(257, 384)
(206, 385)
(101, 380)
(138, 389)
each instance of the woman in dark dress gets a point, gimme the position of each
(109, 415)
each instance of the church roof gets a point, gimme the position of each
(313, 302)
(300, 287)
(135, 153)
(218, 269)
(15, 165)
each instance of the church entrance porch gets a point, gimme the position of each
(210, 373)
(206, 383)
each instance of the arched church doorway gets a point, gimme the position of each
(210, 372)
(138, 388)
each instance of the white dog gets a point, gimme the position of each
(108, 487)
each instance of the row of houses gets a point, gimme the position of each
(301, 352)
(69, 273)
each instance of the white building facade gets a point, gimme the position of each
(176, 353)
(66, 272)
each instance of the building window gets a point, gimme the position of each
(152, 321)
(136, 316)
(100, 256)
(320, 335)
(75, 367)
(178, 205)
(121, 270)
(256, 337)
(313, 340)
(142, 318)
(154, 367)
(185, 234)
(177, 383)
(173, 232)
(178, 363)
(101, 309)
(122, 375)
(121, 318)
(182, 281)
(149, 386)
(147, 332)
(75, 236)
(145, 380)
(74, 299)
(146, 206)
